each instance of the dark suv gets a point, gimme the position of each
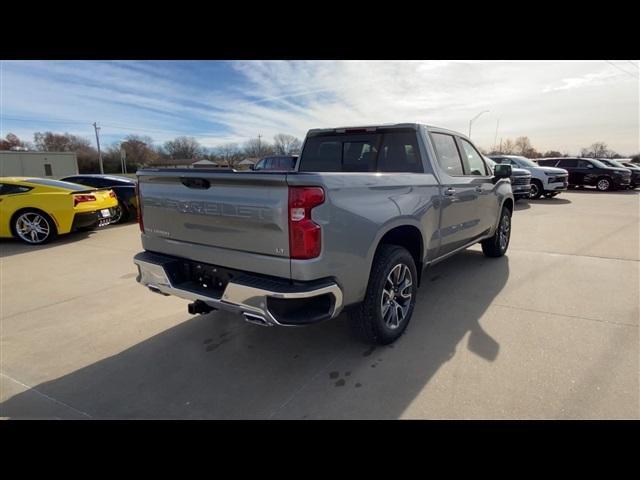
(634, 170)
(280, 163)
(587, 171)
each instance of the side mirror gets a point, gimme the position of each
(501, 170)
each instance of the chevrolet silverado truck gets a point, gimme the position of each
(351, 228)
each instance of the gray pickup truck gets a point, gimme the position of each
(351, 227)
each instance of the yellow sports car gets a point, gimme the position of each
(36, 210)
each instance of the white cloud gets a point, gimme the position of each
(559, 105)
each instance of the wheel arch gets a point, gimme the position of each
(407, 236)
(14, 216)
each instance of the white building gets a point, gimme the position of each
(38, 164)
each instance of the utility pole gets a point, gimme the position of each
(495, 140)
(259, 146)
(123, 160)
(96, 127)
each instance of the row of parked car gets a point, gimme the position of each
(545, 177)
(84, 202)
(36, 210)
(552, 175)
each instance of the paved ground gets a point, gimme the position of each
(550, 331)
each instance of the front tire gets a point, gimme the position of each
(33, 227)
(536, 190)
(386, 310)
(496, 246)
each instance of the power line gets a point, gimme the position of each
(633, 64)
(621, 69)
(110, 125)
(25, 119)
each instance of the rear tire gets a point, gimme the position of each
(496, 246)
(386, 310)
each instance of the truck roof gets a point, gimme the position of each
(414, 126)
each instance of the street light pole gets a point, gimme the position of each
(474, 119)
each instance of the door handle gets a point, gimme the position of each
(450, 191)
(479, 189)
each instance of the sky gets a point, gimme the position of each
(559, 105)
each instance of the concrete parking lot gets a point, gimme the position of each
(548, 332)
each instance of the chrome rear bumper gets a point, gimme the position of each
(249, 300)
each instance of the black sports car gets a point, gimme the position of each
(124, 188)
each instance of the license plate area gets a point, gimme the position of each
(105, 213)
(210, 280)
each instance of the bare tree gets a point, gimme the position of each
(60, 142)
(183, 148)
(284, 144)
(508, 147)
(552, 154)
(229, 153)
(257, 148)
(523, 145)
(596, 150)
(139, 150)
(66, 142)
(11, 141)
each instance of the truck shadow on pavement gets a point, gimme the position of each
(218, 367)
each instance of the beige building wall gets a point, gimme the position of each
(38, 164)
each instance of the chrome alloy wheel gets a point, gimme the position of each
(533, 191)
(504, 231)
(32, 227)
(396, 296)
(603, 184)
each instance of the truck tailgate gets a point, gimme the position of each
(213, 217)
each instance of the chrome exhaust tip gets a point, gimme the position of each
(256, 319)
(155, 289)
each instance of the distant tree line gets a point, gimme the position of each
(141, 151)
(522, 146)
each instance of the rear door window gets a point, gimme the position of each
(584, 164)
(568, 163)
(399, 153)
(447, 153)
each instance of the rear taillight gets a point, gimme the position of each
(112, 194)
(304, 234)
(139, 202)
(83, 198)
